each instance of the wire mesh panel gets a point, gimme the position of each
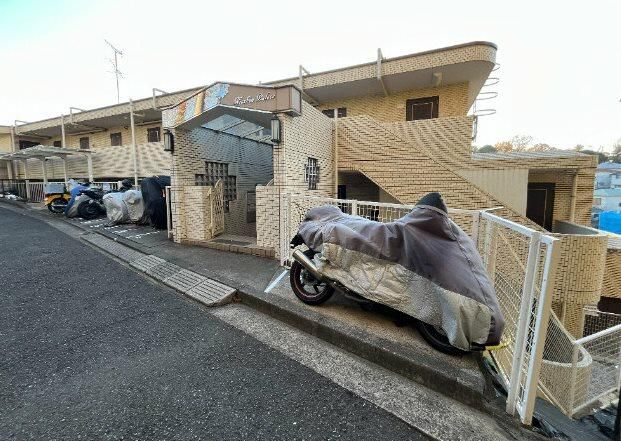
(595, 360)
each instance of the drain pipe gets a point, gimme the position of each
(574, 196)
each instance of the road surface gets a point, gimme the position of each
(90, 349)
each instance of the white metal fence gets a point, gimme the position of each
(538, 356)
(34, 191)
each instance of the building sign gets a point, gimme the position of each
(283, 99)
(241, 101)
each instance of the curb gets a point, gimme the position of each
(207, 291)
(383, 352)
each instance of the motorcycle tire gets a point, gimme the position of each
(437, 339)
(57, 206)
(89, 210)
(300, 278)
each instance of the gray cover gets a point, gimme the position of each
(134, 203)
(116, 211)
(73, 210)
(422, 264)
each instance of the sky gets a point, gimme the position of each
(560, 61)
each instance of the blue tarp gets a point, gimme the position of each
(610, 221)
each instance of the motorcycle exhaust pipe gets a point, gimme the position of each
(300, 257)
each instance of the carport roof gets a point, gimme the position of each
(44, 151)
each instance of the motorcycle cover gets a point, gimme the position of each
(422, 264)
(72, 210)
(154, 200)
(116, 211)
(134, 204)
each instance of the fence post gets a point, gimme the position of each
(541, 329)
(572, 385)
(528, 296)
(476, 219)
(354, 208)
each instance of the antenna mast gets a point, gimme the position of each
(116, 71)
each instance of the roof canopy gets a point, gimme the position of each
(465, 63)
(44, 151)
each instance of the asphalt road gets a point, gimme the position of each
(89, 349)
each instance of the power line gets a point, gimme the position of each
(116, 71)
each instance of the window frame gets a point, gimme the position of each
(409, 107)
(154, 130)
(120, 139)
(311, 172)
(88, 143)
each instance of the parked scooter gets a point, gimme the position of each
(56, 197)
(422, 265)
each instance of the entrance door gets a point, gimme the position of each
(540, 203)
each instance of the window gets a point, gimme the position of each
(153, 134)
(311, 173)
(84, 143)
(116, 139)
(57, 144)
(421, 108)
(341, 112)
(27, 144)
(215, 171)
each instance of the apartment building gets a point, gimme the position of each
(109, 135)
(389, 130)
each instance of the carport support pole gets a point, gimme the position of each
(336, 153)
(63, 140)
(134, 156)
(89, 162)
(44, 169)
(64, 159)
(26, 178)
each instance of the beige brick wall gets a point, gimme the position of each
(453, 101)
(304, 136)
(108, 162)
(5, 142)
(102, 139)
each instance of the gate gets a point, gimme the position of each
(217, 209)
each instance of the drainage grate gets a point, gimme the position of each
(184, 280)
(211, 293)
(163, 271)
(147, 262)
(116, 249)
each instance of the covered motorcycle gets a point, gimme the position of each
(422, 264)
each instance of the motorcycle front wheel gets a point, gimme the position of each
(437, 339)
(305, 287)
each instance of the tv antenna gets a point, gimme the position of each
(115, 65)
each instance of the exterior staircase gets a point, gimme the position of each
(402, 163)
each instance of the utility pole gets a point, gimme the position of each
(115, 65)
